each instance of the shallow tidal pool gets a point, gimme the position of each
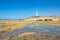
(47, 30)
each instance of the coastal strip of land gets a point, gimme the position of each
(9, 25)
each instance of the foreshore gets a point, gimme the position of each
(9, 25)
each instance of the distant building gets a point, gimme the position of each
(37, 13)
(43, 18)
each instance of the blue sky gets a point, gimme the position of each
(16, 9)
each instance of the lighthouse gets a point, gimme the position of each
(37, 13)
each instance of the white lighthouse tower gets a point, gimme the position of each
(37, 13)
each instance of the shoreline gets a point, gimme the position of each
(13, 24)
